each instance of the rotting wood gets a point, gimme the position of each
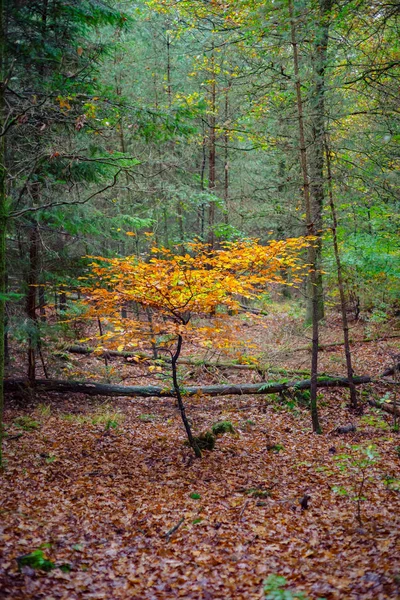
(385, 407)
(187, 361)
(104, 389)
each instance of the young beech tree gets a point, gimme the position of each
(177, 287)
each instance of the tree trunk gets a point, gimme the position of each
(312, 255)
(202, 187)
(226, 156)
(316, 160)
(151, 391)
(317, 108)
(31, 298)
(212, 155)
(3, 219)
(62, 301)
(178, 395)
(353, 392)
(42, 302)
(261, 368)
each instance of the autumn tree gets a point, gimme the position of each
(178, 287)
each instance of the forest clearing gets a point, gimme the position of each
(199, 300)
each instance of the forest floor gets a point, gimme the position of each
(97, 485)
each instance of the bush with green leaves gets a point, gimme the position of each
(275, 588)
(358, 466)
(35, 560)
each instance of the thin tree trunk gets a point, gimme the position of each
(212, 155)
(352, 387)
(312, 258)
(178, 394)
(62, 301)
(101, 335)
(152, 333)
(226, 156)
(31, 298)
(42, 302)
(169, 85)
(316, 160)
(3, 220)
(202, 187)
(6, 343)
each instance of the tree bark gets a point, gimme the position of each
(316, 157)
(3, 219)
(312, 255)
(177, 393)
(345, 323)
(31, 298)
(202, 187)
(261, 368)
(226, 155)
(104, 389)
(212, 155)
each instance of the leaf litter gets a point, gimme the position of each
(134, 515)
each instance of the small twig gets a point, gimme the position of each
(173, 529)
(359, 498)
(244, 508)
(16, 436)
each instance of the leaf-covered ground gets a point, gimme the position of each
(102, 499)
(98, 486)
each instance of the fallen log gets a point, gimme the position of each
(105, 389)
(391, 370)
(85, 350)
(351, 341)
(386, 407)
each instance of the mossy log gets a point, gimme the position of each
(187, 361)
(104, 389)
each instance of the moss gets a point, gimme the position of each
(222, 427)
(205, 441)
(26, 423)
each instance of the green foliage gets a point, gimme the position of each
(26, 423)
(371, 262)
(276, 448)
(358, 466)
(303, 397)
(44, 410)
(258, 493)
(375, 421)
(195, 496)
(227, 232)
(275, 588)
(147, 418)
(392, 483)
(111, 419)
(35, 560)
(222, 427)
